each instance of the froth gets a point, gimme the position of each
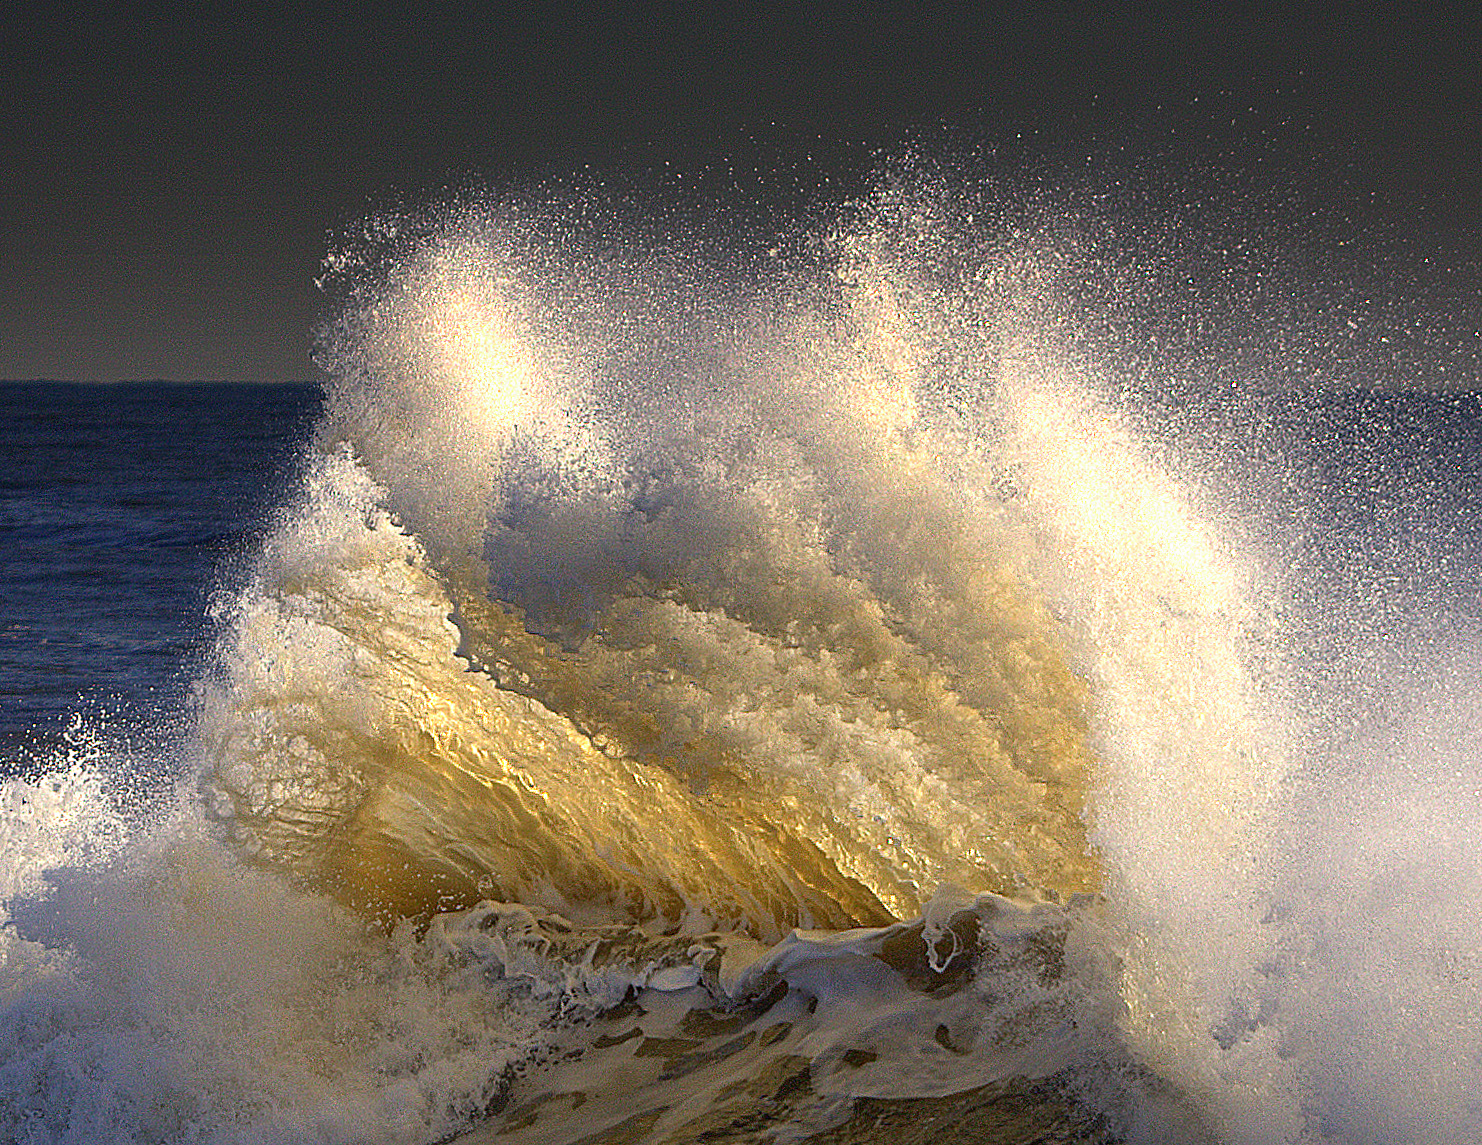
(1379, 983)
(186, 998)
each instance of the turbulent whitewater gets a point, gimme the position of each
(703, 692)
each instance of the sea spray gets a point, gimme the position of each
(1191, 769)
(828, 615)
(738, 606)
(199, 1001)
(704, 693)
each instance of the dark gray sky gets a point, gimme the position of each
(169, 185)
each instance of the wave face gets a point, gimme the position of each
(752, 642)
(716, 690)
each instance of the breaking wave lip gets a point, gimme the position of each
(770, 606)
(736, 575)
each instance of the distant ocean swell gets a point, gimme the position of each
(700, 696)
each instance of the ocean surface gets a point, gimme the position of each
(852, 689)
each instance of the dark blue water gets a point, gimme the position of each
(120, 507)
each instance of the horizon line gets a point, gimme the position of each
(159, 382)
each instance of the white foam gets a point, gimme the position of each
(185, 998)
(1380, 987)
